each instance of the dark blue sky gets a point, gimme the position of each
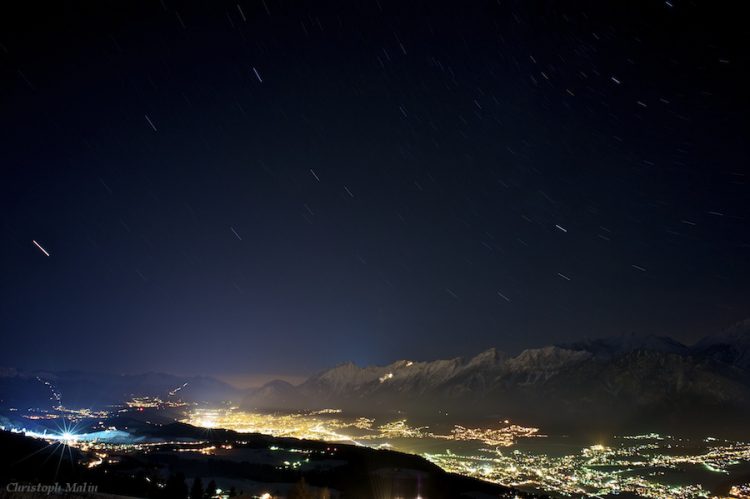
(281, 186)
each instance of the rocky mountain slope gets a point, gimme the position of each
(627, 380)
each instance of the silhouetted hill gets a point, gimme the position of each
(354, 471)
(43, 389)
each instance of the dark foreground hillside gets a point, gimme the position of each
(168, 469)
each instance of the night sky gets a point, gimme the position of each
(279, 186)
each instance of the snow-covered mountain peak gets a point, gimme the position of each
(626, 343)
(547, 358)
(488, 358)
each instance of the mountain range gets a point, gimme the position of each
(632, 381)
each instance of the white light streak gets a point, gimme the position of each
(150, 122)
(40, 247)
(503, 296)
